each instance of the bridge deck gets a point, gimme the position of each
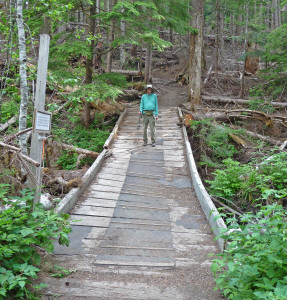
(140, 232)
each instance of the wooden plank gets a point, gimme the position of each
(93, 211)
(103, 195)
(99, 202)
(94, 221)
(121, 260)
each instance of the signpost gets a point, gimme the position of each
(42, 119)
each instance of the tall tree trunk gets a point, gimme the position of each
(232, 25)
(148, 64)
(122, 48)
(245, 47)
(217, 38)
(23, 77)
(107, 5)
(170, 35)
(89, 64)
(98, 10)
(267, 21)
(111, 39)
(196, 45)
(279, 13)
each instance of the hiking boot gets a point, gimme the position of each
(153, 144)
(145, 144)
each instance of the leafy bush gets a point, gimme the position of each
(113, 79)
(68, 160)
(216, 138)
(265, 181)
(254, 265)
(8, 110)
(22, 231)
(91, 139)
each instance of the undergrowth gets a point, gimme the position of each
(25, 232)
(254, 264)
(258, 182)
(215, 142)
(92, 139)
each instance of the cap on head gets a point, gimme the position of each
(149, 86)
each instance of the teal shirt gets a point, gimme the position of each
(149, 102)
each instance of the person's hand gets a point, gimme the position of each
(156, 117)
(140, 113)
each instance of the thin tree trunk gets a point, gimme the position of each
(23, 77)
(170, 35)
(89, 64)
(217, 38)
(268, 14)
(122, 48)
(148, 64)
(245, 47)
(98, 10)
(111, 39)
(196, 45)
(232, 29)
(279, 13)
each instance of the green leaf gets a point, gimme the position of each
(22, 283)
(26, 232)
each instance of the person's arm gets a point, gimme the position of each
(142, 104)
(156, 106)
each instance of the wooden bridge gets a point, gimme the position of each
(141, 233)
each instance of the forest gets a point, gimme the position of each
(223, 62)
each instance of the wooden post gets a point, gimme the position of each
(40, 98)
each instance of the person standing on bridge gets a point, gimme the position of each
(149, 110)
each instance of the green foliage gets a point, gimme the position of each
(216, 138)
(276, 57)
(91, 139)
(254, 265)
(22, 230)
(257, 101)
(253, 182)
(67, 161)
(115, 79)
(97, 91)
(60, 272)
(8, 110)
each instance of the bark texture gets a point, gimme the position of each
(196, 48)
(23, 76)
(89, 64)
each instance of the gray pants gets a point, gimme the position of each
(151, 121)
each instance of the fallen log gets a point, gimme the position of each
(262, 137)
(238, 140)
(11, 121)
(64, 186)
(71, 148)
(283, 146)
(12, 137)
(223, 117)
(220, 204)
(66, 104)
(130, 95)
(199, 115)
(227, 100)
(18, 150)
(127, 72)
(166, 63)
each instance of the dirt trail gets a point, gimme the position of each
(170, 93)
